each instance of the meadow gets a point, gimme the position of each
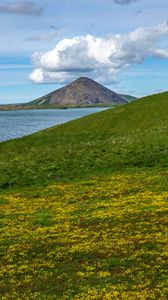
(83, 208)
(104, 238)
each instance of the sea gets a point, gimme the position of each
(19, 123)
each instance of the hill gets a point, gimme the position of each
(129, 136)
(86, 217)
(83, 91)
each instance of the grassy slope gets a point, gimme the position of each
(99, 238)
(134, 135)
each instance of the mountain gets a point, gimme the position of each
(128, 97)
(83, 91)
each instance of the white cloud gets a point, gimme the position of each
(161, 53)
(123, 2)
(100, 58)
(21, 8)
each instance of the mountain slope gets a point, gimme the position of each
(83, 91)
(128, 97)
(129, 137)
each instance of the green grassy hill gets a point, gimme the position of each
(83, 208)
(125, 138)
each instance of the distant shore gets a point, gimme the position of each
(25, 107)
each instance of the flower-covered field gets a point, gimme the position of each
(104, 238)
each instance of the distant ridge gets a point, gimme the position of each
(128, 97)
(83, 91)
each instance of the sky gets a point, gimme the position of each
(45, 44)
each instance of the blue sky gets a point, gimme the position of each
(45, 44)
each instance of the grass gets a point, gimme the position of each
(132, 137)
(83, 207)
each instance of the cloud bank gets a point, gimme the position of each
(21, 8)
(100, 58)
(161, 53)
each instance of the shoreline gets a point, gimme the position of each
(37, 107)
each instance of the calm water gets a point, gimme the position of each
(18, 123)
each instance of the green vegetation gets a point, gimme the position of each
(127, 138)
(46, 100)
(83, 207)
(102, 239)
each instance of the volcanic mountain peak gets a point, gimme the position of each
(84, 81)
(83, 91)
